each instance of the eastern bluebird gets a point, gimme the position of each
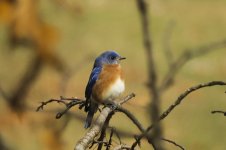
(105, 82)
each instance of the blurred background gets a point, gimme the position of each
(47, 49)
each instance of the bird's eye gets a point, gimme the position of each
(112, 57)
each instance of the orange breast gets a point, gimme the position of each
(107, 77)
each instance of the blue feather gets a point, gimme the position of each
(92, 80)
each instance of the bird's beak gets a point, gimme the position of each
(121, 58)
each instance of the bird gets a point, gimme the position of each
(106, 83)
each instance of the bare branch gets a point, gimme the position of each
(153, 89)
(95, 129)
(103, 131)
(218, 112)
(174, 143)
(110, 140)
(187, 92)
(176, 103)
(72, 102)
(185, 57)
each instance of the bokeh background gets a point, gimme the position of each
(47, 49)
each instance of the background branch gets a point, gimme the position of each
(176, 103)
(174, 143)
(218, 112)
(185, 57)
(152, 83)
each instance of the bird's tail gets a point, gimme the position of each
(93, 108)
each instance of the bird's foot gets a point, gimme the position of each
(110, 105)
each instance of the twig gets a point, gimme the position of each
(219, 112)
(95, 129)
(174, 143)
(97, 142)
(110, 140)
(103, 131)
(176, 103)
(72, 102)
(185, 57)
(117, 135)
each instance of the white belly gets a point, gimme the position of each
(116, 89)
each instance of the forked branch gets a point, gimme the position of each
(176, 103)
(96, 128)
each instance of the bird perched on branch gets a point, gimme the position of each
(105, 83)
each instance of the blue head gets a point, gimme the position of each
(108, 57)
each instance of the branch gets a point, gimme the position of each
(174, 143)
(110, 139)
(72, 102)
(219, 112)
(153, 89)
(185, 57)
(103, 131)
(95, 129)
(176, 103)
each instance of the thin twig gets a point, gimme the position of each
(185, 57)
(176, 103)
(97, 142)
(72, 102)
(117, 135)
(103, 131)
(110, 140)
(219, 112)
(174, 143)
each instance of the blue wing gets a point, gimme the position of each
(92, 80)
(90, 107)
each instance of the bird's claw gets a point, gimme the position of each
(110, 105)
